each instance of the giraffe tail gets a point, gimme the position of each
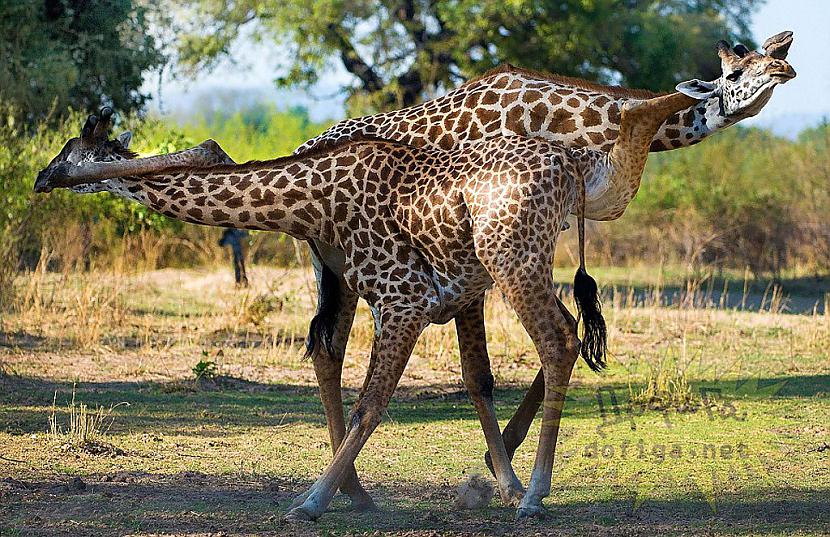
(321, 329)
(586, 294)
(594, 333)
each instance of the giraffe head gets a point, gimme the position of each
(73, 167)
(749, 77)
(91, 146)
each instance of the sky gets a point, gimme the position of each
(802, 102)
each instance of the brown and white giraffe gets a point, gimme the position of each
(748, 85)
(514, 101)
(425, 232)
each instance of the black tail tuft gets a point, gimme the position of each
(321, 329)
(594, 336)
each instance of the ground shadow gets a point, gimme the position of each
(194, 503)
(27, 341)
(173, 406)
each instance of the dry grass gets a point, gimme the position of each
(665, 388)
(86, 306)
(176, 311)
(86, 428)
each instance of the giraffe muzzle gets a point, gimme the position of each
(57, 176)
(42, 185)
(784, 74)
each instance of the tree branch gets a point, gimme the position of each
(353, 62)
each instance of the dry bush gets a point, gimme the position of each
(256, 309)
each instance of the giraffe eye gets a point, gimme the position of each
(735, 75)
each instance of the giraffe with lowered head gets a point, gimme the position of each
(425, 232)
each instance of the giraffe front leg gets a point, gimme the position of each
(475, 365)
(329, 371)
(399, 330)
(516, 429)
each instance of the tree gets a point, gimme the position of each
(401, 51)
(74, 53)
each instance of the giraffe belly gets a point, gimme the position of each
(458, 288)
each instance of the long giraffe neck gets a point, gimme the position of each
(638, 125)
(513, 101)
(620, 171)
(306, 196)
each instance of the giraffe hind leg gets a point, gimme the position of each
(475, 366)
(516, 429)
(556, 344)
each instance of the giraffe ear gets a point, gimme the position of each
(124, 139)
(697, 89)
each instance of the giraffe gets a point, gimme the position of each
(746, 85)
(425, 232)
(515, 101)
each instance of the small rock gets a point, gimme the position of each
(474, 493)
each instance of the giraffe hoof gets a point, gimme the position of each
(298, 515)
(512, 497)
(525, 513)
(363, 505)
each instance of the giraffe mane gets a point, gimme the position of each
(614, 91)
(256, 164)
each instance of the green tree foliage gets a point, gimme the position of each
(58, 54)
(401, 51)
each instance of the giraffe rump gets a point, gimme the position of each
(594, 333)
